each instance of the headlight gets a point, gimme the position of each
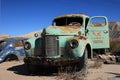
(36, 35)
(27, 45)
(73, 43)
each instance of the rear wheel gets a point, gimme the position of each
(11, 57)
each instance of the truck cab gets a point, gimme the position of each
(71, 39)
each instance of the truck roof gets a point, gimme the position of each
(71, 15)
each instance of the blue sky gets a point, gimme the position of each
(18, 17)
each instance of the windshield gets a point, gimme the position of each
(2, 43)
(68, 21)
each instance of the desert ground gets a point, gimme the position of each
(17, 71)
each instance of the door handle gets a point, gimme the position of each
(105, 32)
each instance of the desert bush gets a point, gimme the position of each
(114, 46)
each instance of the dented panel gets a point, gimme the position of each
(12, 48)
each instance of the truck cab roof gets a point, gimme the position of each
(71, 15)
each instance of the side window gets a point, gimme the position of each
(98, 22)
(18, 44)
(2, 43)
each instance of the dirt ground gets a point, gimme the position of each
(17, 71)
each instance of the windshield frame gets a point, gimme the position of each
(65, 21)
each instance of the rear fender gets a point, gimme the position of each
(11, 57)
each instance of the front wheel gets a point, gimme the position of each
(11, 58)
(83, 65)
(85, 62)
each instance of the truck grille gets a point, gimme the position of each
(51, 45)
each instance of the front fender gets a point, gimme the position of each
(35, 46)
(79, 51)
(4, 54)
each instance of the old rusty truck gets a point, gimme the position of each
(70, 41)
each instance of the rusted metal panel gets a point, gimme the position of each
(50, 61)
(51, 45)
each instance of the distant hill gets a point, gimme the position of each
(31, 34)
(3, 36)
(114, 28)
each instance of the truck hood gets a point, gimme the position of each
(61, 30)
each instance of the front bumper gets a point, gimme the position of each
(56, 62)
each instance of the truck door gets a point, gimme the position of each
(98, 32)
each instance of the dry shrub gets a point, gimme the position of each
(114, 46)
(96, 64)
(71, 75)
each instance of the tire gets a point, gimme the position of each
(82, 66)
(80, 69)
(11, 57)
(85, 67)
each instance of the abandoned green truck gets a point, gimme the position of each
(70, 41)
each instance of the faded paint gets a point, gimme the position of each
(12, 46)
(62, 30)
(97, 34)
(98, 41)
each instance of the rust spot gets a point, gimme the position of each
(67, 29)
(82, 38)
(97, 33)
